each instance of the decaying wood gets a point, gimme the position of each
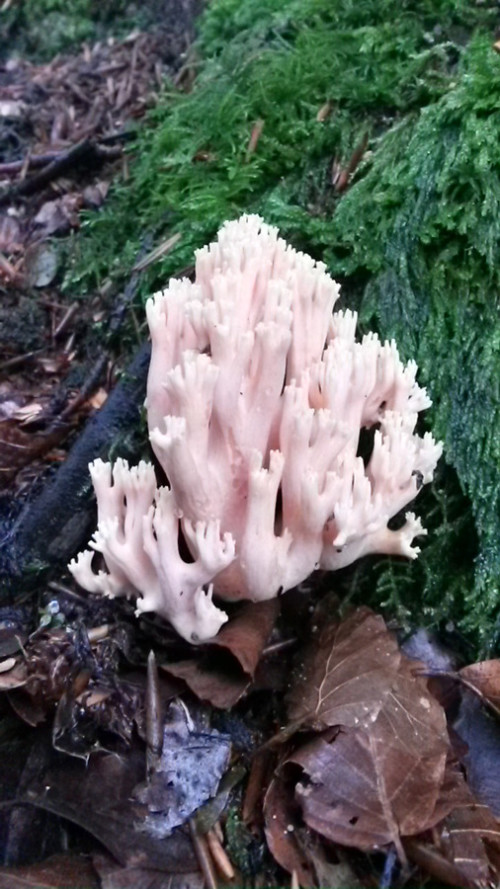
(55, 523)
(87, 151)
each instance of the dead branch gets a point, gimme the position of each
(86, 151)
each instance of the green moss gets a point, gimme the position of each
(423, 225)
(276, 63)
(42, 28)
(414, 240)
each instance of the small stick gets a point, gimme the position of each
(19, 359)
(95, 634)
(203, 856)
(279, 646)
(35, 161)
(341, 178)
(259, 769)
(154, 721)
(65, 320)
(219, 856)
(88, 387)
(162, 249)
(254, 138)
(84, 150)
(31, 162)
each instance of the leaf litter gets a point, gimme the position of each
(364, 762)
(64, 127)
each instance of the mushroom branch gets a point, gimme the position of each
(257, 395)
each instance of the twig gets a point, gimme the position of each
(254, 138)
(89, 385)
(431, 861)
(162, 249)
(279, 646)
(65, 591)
(65, 320)
(19, 359)
(342, 177)
(86, 150)
(259, 774)
(35, 161)
(203, 856)
(9, 271)
(219, 855)
(96, 634)
(154, 722)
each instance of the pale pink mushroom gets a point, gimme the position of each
(256, 398)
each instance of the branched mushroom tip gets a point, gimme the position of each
(257, 395)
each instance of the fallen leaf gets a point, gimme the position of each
(332, 874)
(223, 670)
(464, 848)
(484, 679)
(10, 234)
(247, 633)
(368, 786)
(218, 684)
(281, 824)
(345, 675)
(113, 876)
(41, 262)
(57, 872)
(186, 775)
(480, 731)
(98, 796)
(58, 216)
(94, 195)
(14, 677)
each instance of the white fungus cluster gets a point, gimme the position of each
(257, 395)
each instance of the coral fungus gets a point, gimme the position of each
(257, 395)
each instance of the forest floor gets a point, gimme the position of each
(370, 135)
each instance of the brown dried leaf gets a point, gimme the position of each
(113, 876)
(465, 846)
(41, 262)
(93, 196)
(57, 217)
(280, 830)
(98, 796)
(334, 874)
(10, 234)
(484, 679)
(223, 670)
(246, 634)
(57, 872)
(346, 674)
(379, 778)
(217, 685)
(17, 677)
